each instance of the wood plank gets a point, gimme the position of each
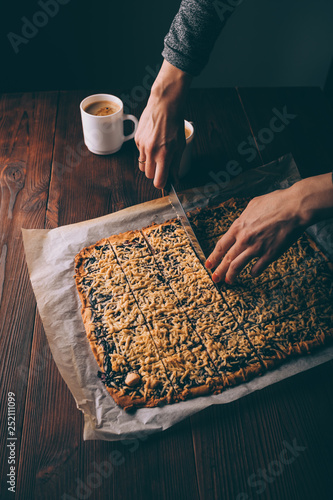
(51, 422)
(158, 466)
(27, 123)
(48, 439)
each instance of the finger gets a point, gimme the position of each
(161, 175)
(222, 269)
(142, 160)
(238, 264)
(261, 265)
(161, 172)
(150, 167)
(167, 167)
(221, 248)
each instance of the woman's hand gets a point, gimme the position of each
(160, 137)
(269, 225)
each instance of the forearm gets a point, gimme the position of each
(315, 198)
(171, 84)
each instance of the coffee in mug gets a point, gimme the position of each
(103, 119)
(102, 108)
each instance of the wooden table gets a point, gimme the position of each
(233, 451)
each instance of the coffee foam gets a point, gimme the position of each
(102, 108)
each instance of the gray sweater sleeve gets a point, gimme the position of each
(192, 35)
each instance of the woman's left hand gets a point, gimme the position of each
(267, 227)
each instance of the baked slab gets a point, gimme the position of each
(162, 332)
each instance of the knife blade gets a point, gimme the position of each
(179, 209)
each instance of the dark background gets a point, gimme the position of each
(104, 44)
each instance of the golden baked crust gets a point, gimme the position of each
(162, 332)
(162, 237)
(143, 273)
(214, 320)
(157, 302)
(192, 373)
(195, 290)
(293, 335)
(94, 257)
(178, 261)
(172, 334)
(129, 245)
(233, 353)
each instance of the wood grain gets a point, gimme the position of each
(27, 124)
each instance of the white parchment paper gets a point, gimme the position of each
(50, 258)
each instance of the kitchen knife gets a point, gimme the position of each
(170, 191)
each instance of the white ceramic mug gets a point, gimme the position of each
(104, 135)
(185, 162)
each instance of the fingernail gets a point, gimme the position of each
(228, 281)
(208, 264)
(216, 278)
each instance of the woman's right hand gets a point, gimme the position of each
(160, 136)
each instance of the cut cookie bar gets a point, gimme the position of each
(157, 302)
(163, 237)
(94, 258)
(143, 273)
(192, 373)
(233, 356)
(173, 334)
(195, 290)
(132, 384)
(212, 222)
(130, 245)
(102, 285)
(179, 261)
(214, 320)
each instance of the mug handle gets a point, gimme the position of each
(135, 121)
